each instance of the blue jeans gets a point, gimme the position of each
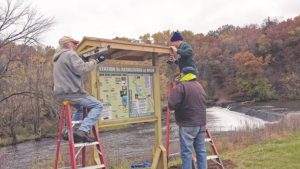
(90, 102)
(193, 137)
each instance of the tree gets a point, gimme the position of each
(188, 36)
(20, 29)
(146, 38)
(250, 80)
(220, 30)
(162, 38)
(21, 23)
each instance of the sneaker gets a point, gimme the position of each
(82, 136)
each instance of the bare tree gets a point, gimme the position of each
(21, 27)
(21, 23)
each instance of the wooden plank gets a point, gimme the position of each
(86, 49)
(100, 40)
(160, 158)
(157, 102)
(112, 123)
(124, 46)
(128, 66)
(164, 161)
(156, 158)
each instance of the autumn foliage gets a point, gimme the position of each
(253, 62)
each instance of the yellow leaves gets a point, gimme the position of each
(264, 44)
(38, 59)
(292, 77)
(268, 59)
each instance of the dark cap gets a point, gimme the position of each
(176, 37)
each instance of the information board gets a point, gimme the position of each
(126, 92)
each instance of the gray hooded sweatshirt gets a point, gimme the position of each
(68, 71)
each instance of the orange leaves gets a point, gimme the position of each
(248, 63)
(38, 59)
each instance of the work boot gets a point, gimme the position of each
(82, 136)
(65, 134)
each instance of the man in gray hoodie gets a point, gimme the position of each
(68, 85)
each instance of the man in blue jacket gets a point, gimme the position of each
(188, 99)
(182, 51)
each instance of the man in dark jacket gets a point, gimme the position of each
(182, 51)
(68, 85)
(188, 100)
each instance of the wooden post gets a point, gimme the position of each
(160, 156)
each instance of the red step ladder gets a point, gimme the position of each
(66, 111)
(215, 157)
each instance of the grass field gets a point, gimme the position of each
(281, 153)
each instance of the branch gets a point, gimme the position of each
(19, 93)
(19, 22)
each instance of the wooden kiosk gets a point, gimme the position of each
(129, 92)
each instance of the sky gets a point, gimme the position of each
(133, 18)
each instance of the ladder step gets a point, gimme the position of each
(85, 144)
(94, 166)
(77, 122)
(174, 154)
(207, 139)
(212, 157)
(175, 140)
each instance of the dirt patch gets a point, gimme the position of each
(211, 165)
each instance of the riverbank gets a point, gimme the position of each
(283, 152)
(270, 111)
(132, 143)
(256, 148)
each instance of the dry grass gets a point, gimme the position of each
(230, 141)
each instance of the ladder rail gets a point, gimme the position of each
(218, 160)
(61, 121)
(215, 157)
(100, 147)
(70, 136)
(171, 84)
(66, 115)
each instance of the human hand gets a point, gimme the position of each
(85, 59)
(174, 49)
(171, 59)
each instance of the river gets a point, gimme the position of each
(131, 143)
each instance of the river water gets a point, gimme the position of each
(131, 143)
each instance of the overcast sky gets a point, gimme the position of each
(132, 18)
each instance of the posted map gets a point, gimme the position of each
(126, 94)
